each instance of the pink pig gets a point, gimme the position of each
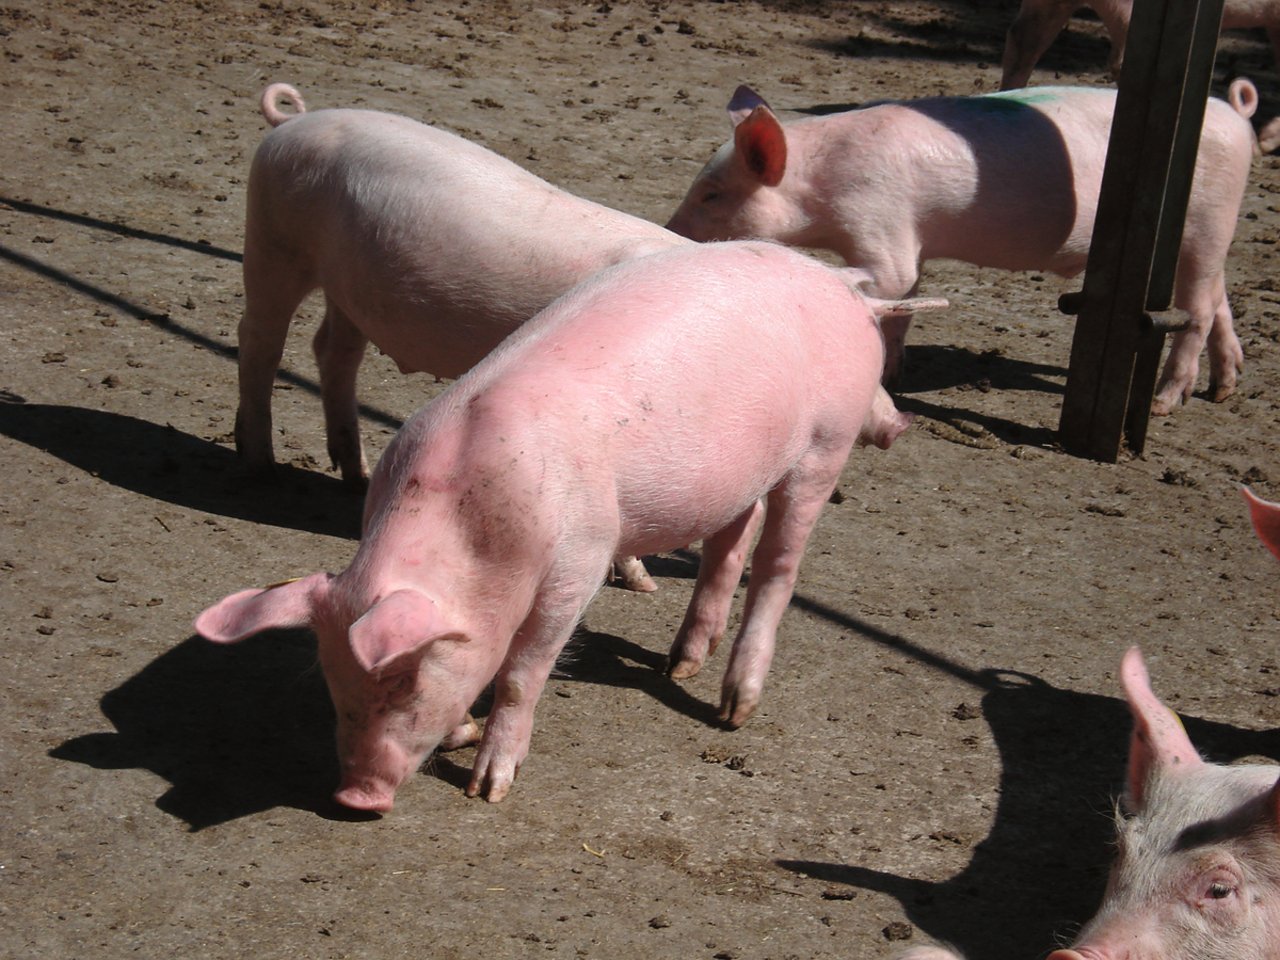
(432, 247)
(1039, 22)
(424, 243)
(1006, 180)
(1197, 873)
(665, 400)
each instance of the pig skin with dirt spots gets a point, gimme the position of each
(695, 394)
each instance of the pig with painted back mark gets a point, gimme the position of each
(1197, 869)
(1006, 180)
(1038, 23)
(424, 243)
(692, 394)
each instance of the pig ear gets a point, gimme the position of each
(762, 144)
(1266, 519)
(397, 626)
(1159, 741)
(743, 102)
(243, 614)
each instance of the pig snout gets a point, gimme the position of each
(366, 795)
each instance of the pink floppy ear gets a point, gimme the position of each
(1159, 742)
(243, 614)
(1266, 520)
(397, 626)
(744, 100)
(762, 144)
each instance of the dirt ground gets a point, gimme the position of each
(941, 737)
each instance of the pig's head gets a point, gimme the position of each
(397, 673)
(1197, 875)
(741, 193)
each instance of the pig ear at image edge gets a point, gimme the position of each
(1159, 742)
(241, 615)
(396, 627)
(1266, 519)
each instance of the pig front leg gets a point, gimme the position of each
(723, 556)
(339, 348)
(793, 509)
(524, 673)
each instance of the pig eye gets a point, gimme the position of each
(711, 196)
(1219, 890)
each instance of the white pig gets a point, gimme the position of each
(424, 243)
(1039, 22)
(1007, 180)
(663, 401)
(1197, 870)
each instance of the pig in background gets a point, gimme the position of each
(1197, 868)
(424, 243)
(694, 394)
(1003, 180)
(1038, 23)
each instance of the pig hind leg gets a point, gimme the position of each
(792, 510)
(723, 557)
(271, 295)
(1205, 302)
(524, 673)
(339, 348)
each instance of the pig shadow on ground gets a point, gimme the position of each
(934, 368)
(235, 730)
(175, 467)
(969, 424)
(930, 367)
(160, 320)
(1041, 871)
(602, 658)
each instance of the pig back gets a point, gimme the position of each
(434, 246)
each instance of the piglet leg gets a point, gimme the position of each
(793, 509)
(524, 673)
(723, 557)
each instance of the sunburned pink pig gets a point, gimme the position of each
(1005, 180)
(680, 397)
(1197, 870)
(424, 243)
